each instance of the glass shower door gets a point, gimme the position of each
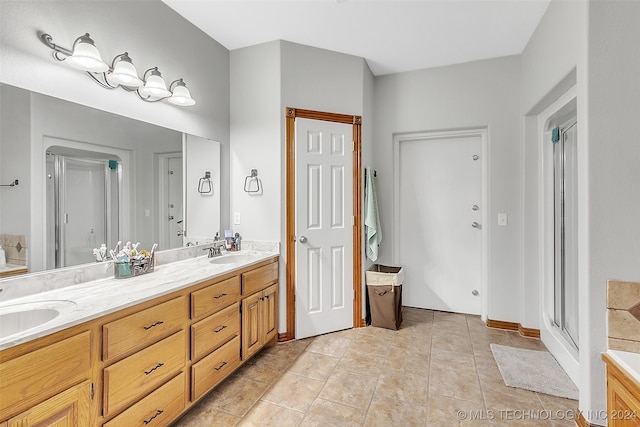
(82, 209)
(566, 233)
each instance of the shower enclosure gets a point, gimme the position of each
(82, 205)
(565, 232)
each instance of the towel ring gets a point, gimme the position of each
(247, 182)
(204, 184)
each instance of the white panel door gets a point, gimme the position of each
(324, 228)
(440, 246)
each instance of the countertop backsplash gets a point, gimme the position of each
(623, 316)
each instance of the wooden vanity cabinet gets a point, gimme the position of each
(71, 408)
(259, 308)
(144, 365)
(30, 379)
(623, 397)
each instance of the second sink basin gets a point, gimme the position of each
(235, 258)
(19, 318)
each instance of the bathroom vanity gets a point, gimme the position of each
(623, 388)
(139, 351)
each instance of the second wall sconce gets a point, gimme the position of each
(121, 73)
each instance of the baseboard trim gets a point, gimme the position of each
(363, 323)
(513, 326)
(283, 337)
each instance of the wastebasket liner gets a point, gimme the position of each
(392, 276)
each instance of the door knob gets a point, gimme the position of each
(474, 224)
(302, 239)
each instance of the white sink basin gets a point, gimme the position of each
(235, 258)
(20, 318)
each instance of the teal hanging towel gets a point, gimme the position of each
(555, 135)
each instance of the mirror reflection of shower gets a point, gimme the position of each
(83, 190)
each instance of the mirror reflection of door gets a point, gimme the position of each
(82, 207)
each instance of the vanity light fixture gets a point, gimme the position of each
(121, 73)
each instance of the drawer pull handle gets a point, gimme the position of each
(220, 296)
(221, 366)
(220, 329)
(159, 322)
(158, 412)
(159, 365)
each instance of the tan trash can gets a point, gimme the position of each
(384, 291)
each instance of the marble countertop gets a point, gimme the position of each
(628, 361)
(83, 302)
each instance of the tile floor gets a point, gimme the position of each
(437, 366)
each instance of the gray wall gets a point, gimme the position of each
(471, 95)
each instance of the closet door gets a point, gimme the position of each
(440, 215)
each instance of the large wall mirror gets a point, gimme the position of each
(88, 177)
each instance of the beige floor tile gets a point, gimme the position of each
(409, 342)
(402, 385)
(329, 345)
(386, 413)
(435, 365)
(294, 391)
(201, 415)
(326, 413)
(406, 360)
(460, 382)
(446, 411)
(445, 316)
(359, 362)
(352, 389)
(314, 365)
(268, 414)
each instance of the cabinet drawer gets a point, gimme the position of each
(157, 409)
(210, 333)
(36, 376)
(258, 279)
(142, 372)
(214, 368)
(143, 328)
(213, 298)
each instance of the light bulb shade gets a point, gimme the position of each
(154, 86)
(124, 72)
(181, 95)
(86, 56)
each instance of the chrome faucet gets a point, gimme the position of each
(216, 248)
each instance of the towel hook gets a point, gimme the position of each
(247, 182)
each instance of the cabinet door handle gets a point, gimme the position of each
(158, 412)
(221, 366)
(159, 322)
(220, 329)
(159, 365)
(220, 296)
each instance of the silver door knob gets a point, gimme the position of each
(302, 239)
(474, 224)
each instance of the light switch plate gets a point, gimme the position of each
(503, 219)
(236, 218)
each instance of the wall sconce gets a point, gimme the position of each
(121, 73)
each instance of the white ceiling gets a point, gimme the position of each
(392, 35)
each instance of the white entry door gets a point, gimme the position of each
(175, 214)
(324, 228)
(440, 215)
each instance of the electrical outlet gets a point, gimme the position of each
(236, 218)
(503, 219)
